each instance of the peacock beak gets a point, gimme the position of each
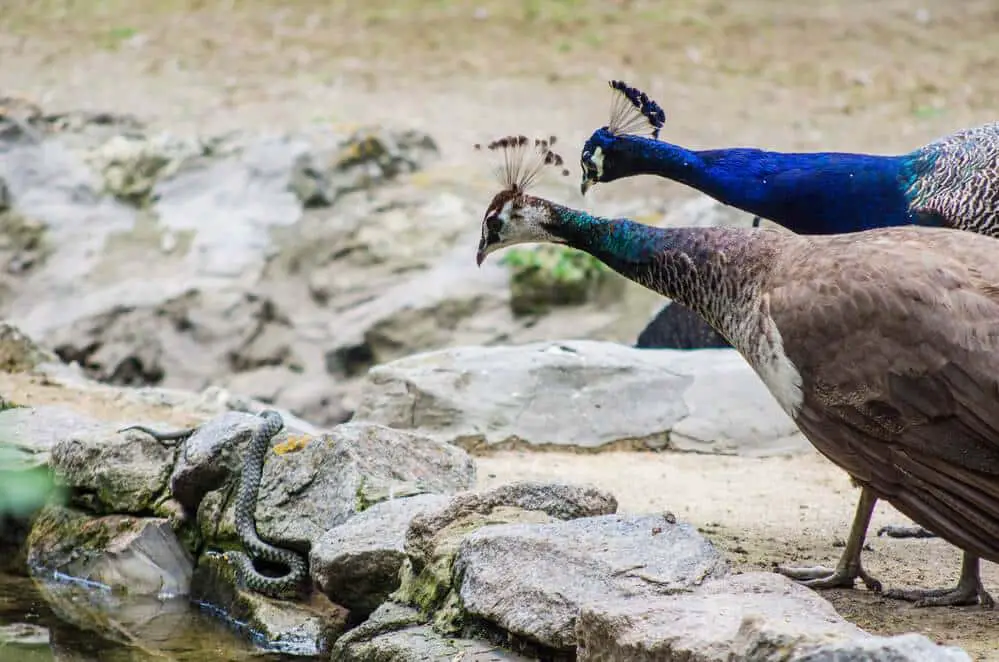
(585, 185)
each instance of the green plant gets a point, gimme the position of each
(25, 485)
(548, 276)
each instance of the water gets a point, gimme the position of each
(61, 621)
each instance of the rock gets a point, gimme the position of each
(757, 615)
(302, 629)
(212, 454)
(313, 483)
(130, 164)
(678, 327)
(135, 555)
(901, 648)
(400, 634)
(38, 430)
(110, 472)
(433, 537)
(532, 579)
(18, 352)
(581, 394)
(357, 563)
(368, 157)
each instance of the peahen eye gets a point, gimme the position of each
(493, 224)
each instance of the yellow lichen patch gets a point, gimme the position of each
(293, 444)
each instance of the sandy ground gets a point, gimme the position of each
(837, 75)
(761, 512)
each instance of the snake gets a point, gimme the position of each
(246, 501)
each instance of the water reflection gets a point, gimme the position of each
(52, 620)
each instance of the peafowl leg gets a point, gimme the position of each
(849, 568)
(969, 590)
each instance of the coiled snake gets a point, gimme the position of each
(246, 502)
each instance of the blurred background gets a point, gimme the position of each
(320, 295)
(272, 197)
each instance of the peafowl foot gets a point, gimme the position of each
(901, 531)
(849, 568)
(844, 575)
(969, 590)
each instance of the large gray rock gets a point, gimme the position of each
(902, 648)
(583, 394)
(533, 579)
(357, 563)
(135, 555)
(38, 430)
(400, 634)
(732, 618)
(311, 484)
(111, 472)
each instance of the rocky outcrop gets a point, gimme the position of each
(582, 394)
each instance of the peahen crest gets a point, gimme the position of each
(633, 112)
(523, 160)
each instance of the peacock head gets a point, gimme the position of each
(513, 217)
(605, 155)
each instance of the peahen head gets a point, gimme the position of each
(513, 217)
(605, 156)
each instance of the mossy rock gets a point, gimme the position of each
(24, 239)
(546, 277)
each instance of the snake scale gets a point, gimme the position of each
(246, 502)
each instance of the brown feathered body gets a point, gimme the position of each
(884, 348)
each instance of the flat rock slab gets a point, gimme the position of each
(901, 648)
(533, 579)
(357, 563)
(37, 430)
(582, 394)
(400, 634)
(724, 620)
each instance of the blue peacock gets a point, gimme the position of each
(881, 345)
(951, 182)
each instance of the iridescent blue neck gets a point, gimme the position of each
(809, 193)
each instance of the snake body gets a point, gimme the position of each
(245, 507)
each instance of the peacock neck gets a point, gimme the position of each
(808, 193)
(716, 272)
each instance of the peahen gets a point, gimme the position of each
(882, 345)
(950, 182)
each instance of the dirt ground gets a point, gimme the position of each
(836, 75)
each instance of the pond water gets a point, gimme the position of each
(64, 621)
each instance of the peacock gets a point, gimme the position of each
(882, 345)
(946, 183)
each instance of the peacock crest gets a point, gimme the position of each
(633, 112)
(523, 160)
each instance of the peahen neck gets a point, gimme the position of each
(714, 271)
(808, 193)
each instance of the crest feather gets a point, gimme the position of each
(633, 112)
(523, 160)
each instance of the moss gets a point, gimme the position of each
(361, 502)
(59, 535)
(548, 276)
